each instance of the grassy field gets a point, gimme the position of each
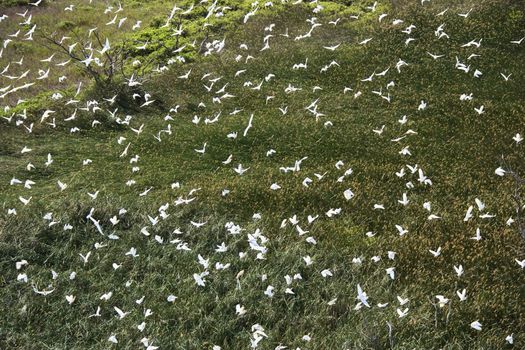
(457, 148)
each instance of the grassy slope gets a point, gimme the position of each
(52, 20)
(458, 149)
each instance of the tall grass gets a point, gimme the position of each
(457, 149)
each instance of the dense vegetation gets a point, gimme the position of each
(456, 148)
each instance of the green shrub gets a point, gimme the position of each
(66, 25)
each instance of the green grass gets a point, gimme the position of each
(457, 149)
